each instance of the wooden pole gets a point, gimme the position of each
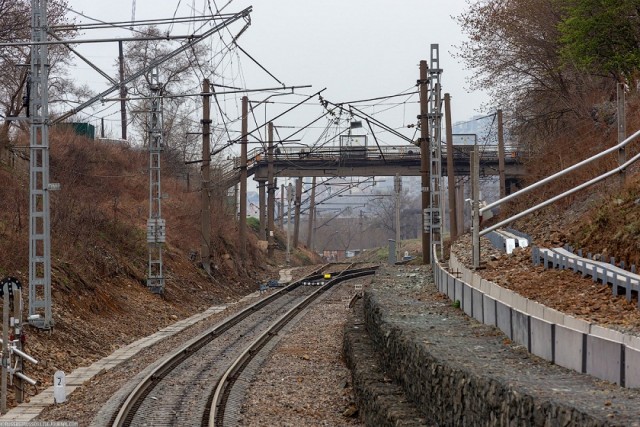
(398, 191)
(262, 210)
(242, 227)
(271, 193)
(622, 130)
(282, 206)
(205, 170)
(451, 176)
(298, 202)
(312, 213)
(503, 187)
(460, 207)
(475, 212)
(123, 93)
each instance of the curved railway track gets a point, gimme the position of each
(226, 383)
(180, 388)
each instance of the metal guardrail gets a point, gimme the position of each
(507, 241)
(606, 273)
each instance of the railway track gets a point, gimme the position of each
(180, 389)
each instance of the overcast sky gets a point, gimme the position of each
(357, 49)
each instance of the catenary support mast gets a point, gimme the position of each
(436, 205)
(39, 216)
(156, 232)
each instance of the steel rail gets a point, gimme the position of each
(130, 404)
(227, 380)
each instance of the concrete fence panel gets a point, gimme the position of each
(458, 291)
(503, 318)
(477, 303)
(569, 348)
(467, 303)
(632, 367)
(542, 338)
(604, 359)
(489, 310)
(520, 328)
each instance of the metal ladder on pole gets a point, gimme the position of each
(156, 231)
(436, 207)
(39, 218)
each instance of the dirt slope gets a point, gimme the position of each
(99, 253)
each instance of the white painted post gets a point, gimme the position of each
(59, 390)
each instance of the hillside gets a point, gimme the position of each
(99, 252)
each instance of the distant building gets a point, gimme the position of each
(83, 129)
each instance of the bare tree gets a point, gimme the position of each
(383, 212)
(15, 26)
(514, 47)
(183, 74)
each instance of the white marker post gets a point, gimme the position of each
(59, 390)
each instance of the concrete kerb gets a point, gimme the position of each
(565, 340)
(30, 410)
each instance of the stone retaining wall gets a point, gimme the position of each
(450, 394)
(456, 371)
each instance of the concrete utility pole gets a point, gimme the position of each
(475, 205)
(503, 185)
(424, 162)
(262, 210)
(622, 130)
(460, 207)
(451, 177)
(312, 213)
(205, 254)
(271, 190)
(234, 205)
(298, 202)
(282, 207)
(289, 200)
(398, 188)
(123, 93)
(243, 177)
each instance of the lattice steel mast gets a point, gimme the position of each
(436, 206)
(39, 219)
(156, 235)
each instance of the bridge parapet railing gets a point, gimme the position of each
(258, 155)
